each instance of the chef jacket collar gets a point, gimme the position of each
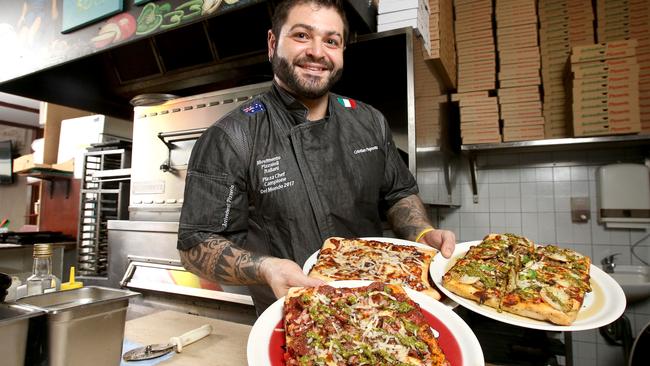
(294, 105)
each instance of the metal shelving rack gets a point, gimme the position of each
(105, 189)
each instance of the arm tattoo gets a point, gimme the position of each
(218, 259)
(408, 217)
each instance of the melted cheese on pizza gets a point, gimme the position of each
(374, 261)
(372, 325)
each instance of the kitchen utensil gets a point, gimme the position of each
(175, 344)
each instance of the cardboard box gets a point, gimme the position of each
(479, 6)
(605, 68)
(475, 87)
(523, 133)
(511, 83)
(483, 33)
(483, 65)
(476, 57)
(486, 48)
(475, 42)
(480, 125)
(533, 121)
(603, 51)
(387, 6)
(475, 95)
(518, 74)
(478, 109)
(492, 138)
(26, 163)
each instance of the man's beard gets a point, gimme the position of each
(306, 87)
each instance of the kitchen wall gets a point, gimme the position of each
(529, 193)
(15, 198)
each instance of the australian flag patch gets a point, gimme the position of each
(347, 102)
(253, 108)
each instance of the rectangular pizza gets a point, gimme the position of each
(358, 259)
(376, 324)
(509, 273)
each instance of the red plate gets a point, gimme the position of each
(447, 342)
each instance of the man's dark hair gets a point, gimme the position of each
(282, 12)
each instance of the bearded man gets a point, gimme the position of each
(270, 181)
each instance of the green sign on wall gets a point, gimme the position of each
(78, 13)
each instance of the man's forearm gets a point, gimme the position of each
(408, 217)
(220, 260)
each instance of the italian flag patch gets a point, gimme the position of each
(347, 103)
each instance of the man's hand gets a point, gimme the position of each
(443, 240)
(281, 274)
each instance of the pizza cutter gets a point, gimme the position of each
(175, 344)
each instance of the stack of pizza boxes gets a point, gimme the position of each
(395, 14)
(442, 51)
(630, 19)
(605, 89)
(476, 54)
(519, 70)
(430, 95)
(563, 24)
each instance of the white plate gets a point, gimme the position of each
(259, 339)
(311, 261)
(604, 304)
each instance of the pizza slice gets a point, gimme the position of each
(372, 325)
(481, 280)
(546, 292)
(358, 259)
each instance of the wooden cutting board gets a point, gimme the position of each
(225, 346)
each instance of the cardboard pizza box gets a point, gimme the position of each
(518, 29)
(473, 7)
(508, 57)
(486, 48)
(602, 51)
(534, 63)
(478, 112)
(512, 92)
(488, 124)
(455, 97)
(464, 20)
(468, 130)
(475, 42)
(475, 102)
(510, 83)
(477, 57)
(533, 121)
(628, 99)
(503, 101)
(475, 87)
(522, 106)
(546, 13)
(483, 64)
(482, 139)
(518, 74)
(467, 117)
(483, 33)
(604, 68)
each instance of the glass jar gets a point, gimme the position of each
(42, 280)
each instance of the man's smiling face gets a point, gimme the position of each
(307, 58)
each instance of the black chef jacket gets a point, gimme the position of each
(275, 183)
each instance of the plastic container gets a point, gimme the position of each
(14, 323)
(85, 326)
(73, 283)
